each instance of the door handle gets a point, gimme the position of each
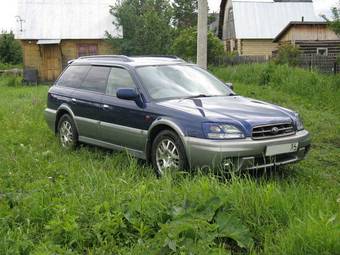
(106, 107)
(74, 100)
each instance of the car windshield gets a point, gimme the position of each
(180, 81)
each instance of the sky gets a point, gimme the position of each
(8, 10)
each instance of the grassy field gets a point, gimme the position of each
(93, 201)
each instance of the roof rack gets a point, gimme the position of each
(160, 56)
(118, 57)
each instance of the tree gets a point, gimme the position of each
(335, 23)
(146, 26)
(10, 49)
(223, 5)
(185, 45)
(185, 13)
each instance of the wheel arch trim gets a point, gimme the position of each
(162, 122)
(65, 107)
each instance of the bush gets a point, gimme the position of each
(185, 45)
(287, 54)
(10, 49)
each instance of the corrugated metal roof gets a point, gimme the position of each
(66, 19)
(265, 19)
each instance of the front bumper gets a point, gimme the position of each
(243, 153)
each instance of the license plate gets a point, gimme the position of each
(281, 149)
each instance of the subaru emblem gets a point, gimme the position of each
(275, 130)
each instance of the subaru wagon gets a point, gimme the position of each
(172, 114)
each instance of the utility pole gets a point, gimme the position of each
(202, 34)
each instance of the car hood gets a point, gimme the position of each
(246, 111)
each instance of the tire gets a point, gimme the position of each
(67, 132)
(168, 153)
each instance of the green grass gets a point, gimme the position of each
(93, 201)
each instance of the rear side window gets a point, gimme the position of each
(119, 78)
(96, 79)
(73, 76)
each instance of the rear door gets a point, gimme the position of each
(86, 101)
(66, 86)
(122, 121)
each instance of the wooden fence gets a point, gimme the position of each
(324, 64)
(237, 60)
(12, 72)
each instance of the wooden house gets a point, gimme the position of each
(251, 26)
(54, 32)
(310, 38)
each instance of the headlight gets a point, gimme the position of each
(299, 122)
(221, 131)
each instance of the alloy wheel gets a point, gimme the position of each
(66, 134)
(167, 156)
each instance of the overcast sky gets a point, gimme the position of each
(8, 10)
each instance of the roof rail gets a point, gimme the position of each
(159, 56)
(118, 57)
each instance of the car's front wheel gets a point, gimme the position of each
(168, 153)
(67, 132)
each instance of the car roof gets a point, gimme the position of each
(127, 61)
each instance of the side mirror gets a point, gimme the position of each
(127, 94)
(230, 85)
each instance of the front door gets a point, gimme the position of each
(122, 120)
(52, 62)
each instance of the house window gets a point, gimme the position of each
(322, 51)
(87, 50)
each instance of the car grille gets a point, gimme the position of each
(273, 131)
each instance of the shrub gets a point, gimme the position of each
(185, 45)
(287, 54)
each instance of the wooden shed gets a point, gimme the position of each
(310, 37)
(251, 26)
(54, 32)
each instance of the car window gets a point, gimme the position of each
(180, 81)
(119, 78)
(73, 76)
(96, 79)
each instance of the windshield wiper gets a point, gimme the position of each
(203, 95)
(197, 96)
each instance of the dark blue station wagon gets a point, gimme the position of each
(171, 113)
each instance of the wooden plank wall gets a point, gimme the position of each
(67, 50)
(310, 47)
(309, 33)
(32, 56)
(252, 47)
(70, 48)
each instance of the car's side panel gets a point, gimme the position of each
(124, 123)
(86, 107)
(58, 96)
(105, 144)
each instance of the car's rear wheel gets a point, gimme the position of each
(168, 153)
(67, 132)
